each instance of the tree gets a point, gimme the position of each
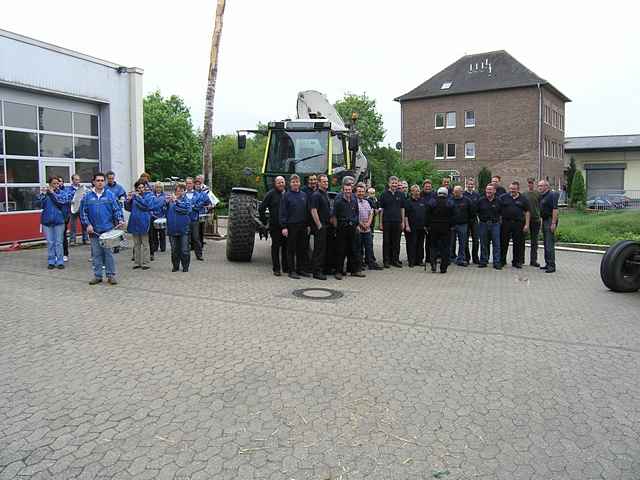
(571, 173)
(578, 193)
(171, 147)
(484, 178)
(369, 124)
(207, 153)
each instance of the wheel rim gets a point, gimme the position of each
(631, 266)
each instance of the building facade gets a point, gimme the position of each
(61, 112)
(610, 164)
(486, 110)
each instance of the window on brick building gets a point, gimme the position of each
(451, 119)
(469, 118)
(470, 150)
(546, 147)
(451, 150)
(439, 120)
(439, 151)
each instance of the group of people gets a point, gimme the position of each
(438, 224)
(153, 215)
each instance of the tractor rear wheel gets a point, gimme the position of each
(620, 266)
(241, 229)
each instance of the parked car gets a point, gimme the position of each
(600, 203)
(619, 200)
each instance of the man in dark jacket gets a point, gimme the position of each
(515, 224)
(391, 223)
(415, 212)
(439, 218)
(489, 227)
(271, 202)
(293, 219)
(473, 197)
(460, 228)
(427, 194)
(320, 215)
(346, 218)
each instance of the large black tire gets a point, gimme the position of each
(620, 267)
(241, 227)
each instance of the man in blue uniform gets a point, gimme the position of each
(461, 218)
(293, 219)
(391, 223)
(119, 193)
(271, 202)
(178, 220)
(427, 194)
(473, 197)
(514, 209)
(549, 215)
(415, 211)
(197, 200)
(489, 227)
(345, 215)
(439, 215)
(320, 216)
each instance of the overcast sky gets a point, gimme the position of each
(271, 50)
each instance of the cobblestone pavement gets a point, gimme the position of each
(222, 373)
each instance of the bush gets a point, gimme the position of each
(484, 178)
(578, 195)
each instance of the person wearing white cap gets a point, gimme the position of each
(439, 217)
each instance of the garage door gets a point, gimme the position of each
(601, 179)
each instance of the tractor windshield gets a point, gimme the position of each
(301, 152)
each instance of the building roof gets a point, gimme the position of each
(604, 142)
(479, 73)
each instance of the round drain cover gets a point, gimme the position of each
(318, 293)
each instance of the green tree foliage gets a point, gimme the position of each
(484, 178)
(171, 147)
(571, 172)
(237, 168)
(386, 161)
(578, 192)
(369, 124)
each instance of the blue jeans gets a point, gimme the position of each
(102, 256)
(54, 234)
(489, 232)
(459, 234)
(366, 244)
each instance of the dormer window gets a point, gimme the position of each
(446, 86)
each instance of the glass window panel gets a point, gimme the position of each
(87, 148)
(451, 150)
(84, 124)
(439, 120)
(22, 198)
(1, 143)
(3, 199)
(451, 119)
(86, 170)
(63, 171)
(470, 150)
(439, 150)
(470, 118)
(54, 120)
(2, 175)
(19, 115)
(56, 146)
(22, 171)
(21, 143)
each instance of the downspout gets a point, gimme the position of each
(539, 132)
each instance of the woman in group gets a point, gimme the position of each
(53, 204)
(178, 211)
(157, 236)
(139, 204)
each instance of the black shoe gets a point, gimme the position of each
(535, 264)
(410, 265)
(386, 265)
(294, 275)
(421, 264)
(338, 276)
(50, 267)
(136, 267)
(319, 276)
(163, 250)
(145, 267)
(433, 267)
(375, 266)
(358, 274)
(443, 270)
(277, 273)
(550, 270)
(151, 258)
(185, 270)
(397, 264)
(503, 264)
(517, 265)
(60, 267)
(544, 267)
(84, 242)
(175, 269)
(95, 281)
(200, 258)
(482, 265)
(498, 266)
(304, 274)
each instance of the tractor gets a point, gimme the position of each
(620, 266)
(317, 142)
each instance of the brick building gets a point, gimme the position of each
(486, 110)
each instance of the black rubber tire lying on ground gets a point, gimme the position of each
(241, 229)
(620, 266)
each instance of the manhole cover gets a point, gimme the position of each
(318, 293)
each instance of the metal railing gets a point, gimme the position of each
(613, 199)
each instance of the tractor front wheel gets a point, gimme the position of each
(620, 267)
(241, 229)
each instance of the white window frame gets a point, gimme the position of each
(446, 151)
(435, 120)
(435, 151)
(455, 120)
(470, 125)
(474, 150)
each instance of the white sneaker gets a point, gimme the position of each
(65, 258)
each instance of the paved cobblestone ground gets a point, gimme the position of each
(223, 374)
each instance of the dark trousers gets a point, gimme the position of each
(180, 252)
(475, 243)
(549, 238)
(489, 233)
(415, 245)
(203, 225)
(319, 256)
(157, 239)
(346, 236)
(391, 235)
(330, 259)
(196, 246)
(440, 246)
(427, 246)
(278, 249)
(366, 245)
(295, 247)
(534, 231)
(459, 237)
(512, 230)
(65, 239)
(307, 253)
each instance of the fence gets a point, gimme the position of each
(613, 199)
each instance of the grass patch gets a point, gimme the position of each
(603, 228)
